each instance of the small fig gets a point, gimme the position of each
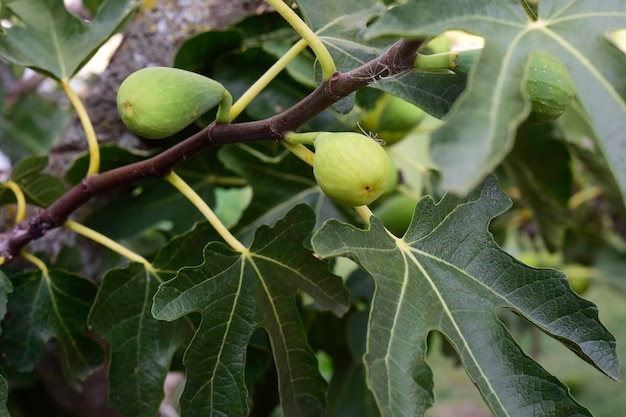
(392, 118)
(548, 86)
(351, 168)
(396, 213)
(156, 102)
(549, 89)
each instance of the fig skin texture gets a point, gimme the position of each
(156, 102)
(351, 168)
(549, 89)
(392, 118)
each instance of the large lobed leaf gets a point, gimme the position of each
(480, 129)
(447, 274)
(51, 40)
(238, 293)
(141, 347)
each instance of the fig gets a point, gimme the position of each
(351, 168)
(392, 118)
(549, 89)
(396, 213)
(548, 85)
(156, 102)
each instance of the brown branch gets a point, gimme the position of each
(397, 59)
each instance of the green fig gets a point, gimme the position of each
(351, 168)
(156, 102)
(396, 213)
(548, 85)
(392, 118)
(549, 88)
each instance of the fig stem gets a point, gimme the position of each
(305, 138)
(320, 51)
(440, 61)
(224, 108)
(266, 78)
(20, 200)
(365, 213)
(301, 151)
(108, 243)
(85, 120)
(206, 211)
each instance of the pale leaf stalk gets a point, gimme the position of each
(364, 213)
(37, 262)
(206, 211)
(109, 243)
(266, 78)
(320, 51)
(20, 199)
(90, 133)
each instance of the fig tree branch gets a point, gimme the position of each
(397, 59)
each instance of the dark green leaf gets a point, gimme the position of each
(5, 289)
(31, 126)
(141, 346)
(111, 156)
(540, 166)
(4, 393)
(447, 274)
(481, 129)
(51, 40)
(199, 52)
(39, 188)
(238, 293)
(46, 306)
(155, 200)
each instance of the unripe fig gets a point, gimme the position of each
(548, 85)
(396, 213)
(351, 168)
(156, 102)
(392, 118)
(549, 88)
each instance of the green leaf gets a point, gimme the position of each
(49, 39)
(341, 26)
(447, 274)
(141, 347)
(51, 305)
(155, 200)
(31, 126)
(4, 394)
(540, 167)
(39, 188)
(238, 293)
(481, 128)
(5, 289)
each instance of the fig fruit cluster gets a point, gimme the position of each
(351, 168)
(157, 102)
